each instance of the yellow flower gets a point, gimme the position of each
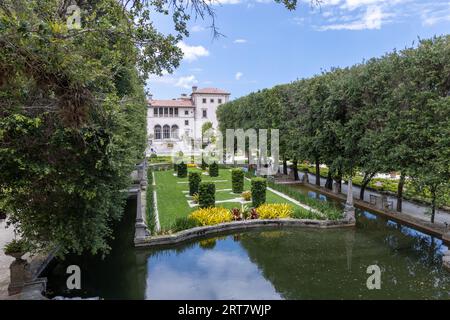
(211, 216)
(275, 211)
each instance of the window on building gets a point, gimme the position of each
(160, 112)
(166, 112)
(171, 112)
(175, 132)
(166, 132)
(204, 100)
(186, 112)
(157, 132)
(204, 113)
(186, 122)
(220, 101)
(155, 112)
(176, 112)
(212, 100)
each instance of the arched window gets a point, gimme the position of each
(174, 131)
(166, 132)
(157, 132)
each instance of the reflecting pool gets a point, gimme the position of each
(267, 264)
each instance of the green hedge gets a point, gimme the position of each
(204, 165)
(237, 180)
(194, 182)
(207, 194)
(182, 170)
(214, 169)
(258, 191)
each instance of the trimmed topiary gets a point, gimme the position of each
(214, 169)
(204, 165)
(194, 182)
(237, 180)
(258, 191)
(207, 195)
(182, 170)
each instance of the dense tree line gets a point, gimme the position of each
(73, 110)
(386, 114)
(73, 113)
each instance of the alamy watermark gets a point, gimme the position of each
(374, 280)
(74, 280)
(241, 146)
(73, 20)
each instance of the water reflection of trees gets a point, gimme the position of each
(332, 263)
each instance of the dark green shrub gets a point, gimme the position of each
(258, 191)
(194, 182)
(207, 195)
(214, 169)
(183, 224)
(15, 246)
(175, 167)
(182, 170)
(204, 165)
(237, 180)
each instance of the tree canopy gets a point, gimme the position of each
(386, 114)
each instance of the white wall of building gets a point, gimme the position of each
(189, 120)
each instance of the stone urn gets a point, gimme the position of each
(17, 255)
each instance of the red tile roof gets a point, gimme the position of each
(171, 103)
(210, 91)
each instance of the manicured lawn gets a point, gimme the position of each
(173, 203)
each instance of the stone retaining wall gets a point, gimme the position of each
(200, 232)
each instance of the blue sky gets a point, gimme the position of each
(264, 44)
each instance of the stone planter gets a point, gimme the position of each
(17, 255)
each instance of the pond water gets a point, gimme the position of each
(266, 264)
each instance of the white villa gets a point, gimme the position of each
(169, 121)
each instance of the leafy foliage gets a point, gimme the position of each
(237, 180)
(386, 114)
(247, 195)
(258, 189)
(214, 169)
(182, 170)
(275, 211)
(211, 216)
(207, 194)
(194, 182)
(184, 223)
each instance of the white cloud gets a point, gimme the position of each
(186, 82)
(298, 20)
(222, 2)
(436, 14)
(192, 53)
(375, 14)
(372, 19)
(240, 41)
(182, 81)
(238, 75)
(197, 28)
(209, 276)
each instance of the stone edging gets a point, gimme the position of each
(199, 232)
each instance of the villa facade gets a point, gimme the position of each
(170, 121)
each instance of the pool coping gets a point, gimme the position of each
(200, 232)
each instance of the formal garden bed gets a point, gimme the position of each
(189, 197)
